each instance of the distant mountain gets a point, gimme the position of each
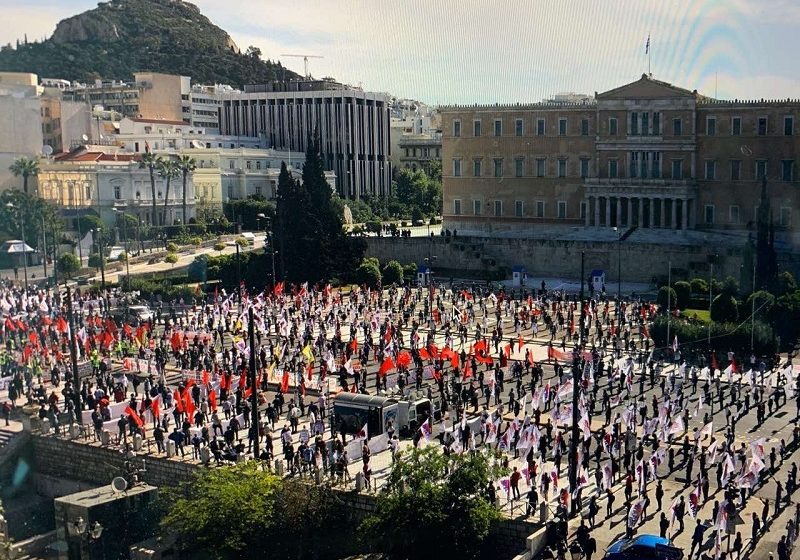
(121, 37)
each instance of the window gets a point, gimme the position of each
(540, 167)
(788, 126)
(708, 214)
(761, 169)
(230, 164)
(539, 127)
(677, 169)
(498, 208)
(677, 127)
(584, 127)
(519, 209)
(456, 168)
(476, 207)
(258, 165)
(258, 190)
(584, 168)
(457, 207)
(562, 167)
(736, 126)
(733, 214)
(736, 170)
(230, 190)
(519, 128)
(612, 126)
(117, 192)
(711, 169)
(645, 161)
(248, 164)
(762, 126)
(540, 208)
(476, 168)
(583, 210)
(562, 209)
(711, 126)
(645, 125)
(519, 165)
(787, 168)
(562, 127)
(786, 216)
(634, 170)
(498, 167)
(612, 169)
(634, 124)
(498, 127)
(656, 170)
(657, 124)
(476, 128)
(456, 128)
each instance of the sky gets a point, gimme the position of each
(502, 51)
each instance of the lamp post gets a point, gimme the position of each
(121, 214)
(576, 384)
(80, 528)
(24, 245)
(619, 267)
(44, 249)
(253, 382)
(271, 244)
(99, 233)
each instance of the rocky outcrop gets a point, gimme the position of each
(85, 27)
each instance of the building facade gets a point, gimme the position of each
(647, 154)
(353, 128)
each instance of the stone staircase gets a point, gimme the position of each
(10, 442)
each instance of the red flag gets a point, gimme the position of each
(10, 324)
(126, 328)
(714, 365)
(507, 350)
(433, 351)
(33, 338)
(403, 358)
(212, 399)
(467, 370)
(285, 382)
(385, 367)
(155, 408)
(310, 370)
(205, 377)
(423, 354)
(135, 417)
(178, 401)
(61, 325)
(188, 404)
(353, 345)
(454, 360)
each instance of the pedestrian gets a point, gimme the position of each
(737, 545)
(663, 525)
(697, 539)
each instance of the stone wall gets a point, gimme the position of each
(554, 259)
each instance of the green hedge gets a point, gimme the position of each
(693, 336)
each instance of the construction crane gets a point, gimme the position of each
(305, 58)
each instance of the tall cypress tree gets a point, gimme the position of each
(766, 259)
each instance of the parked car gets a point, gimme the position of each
(643, 547)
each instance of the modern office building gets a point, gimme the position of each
(353, 128)
(647, 154)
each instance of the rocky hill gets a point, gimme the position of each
(121, 37)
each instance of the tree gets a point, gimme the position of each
(253, 52)
(435, 504)
(171, 258)
(68, 264)
(663, 300)
(393, 273)
(764, 301)
(699, 286)
(152, 163)
(34, 212)
(187, 165)
(368, 273)
(95, 260)
(25, 168)
(724, 309)
(683, 294)
(167, 169)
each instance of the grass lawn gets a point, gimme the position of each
(700, 314)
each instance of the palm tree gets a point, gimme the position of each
(26, 167)
(167, 169)
(187, 165)
(151, 162)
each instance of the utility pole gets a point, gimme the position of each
(710, 298)
(73, 351)
(669, 297)
(253, 381)
(576, 383)
(238, 276)
(44, 249)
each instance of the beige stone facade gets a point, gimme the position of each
(646, 154)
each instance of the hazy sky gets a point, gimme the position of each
(470, 51)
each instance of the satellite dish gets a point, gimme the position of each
(47, 150)
(119, 484)
(85, 137)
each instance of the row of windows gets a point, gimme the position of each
(709, 215)
(539, 167)
(760, 170)
(639, 124)
(423, 152)
(519, 208)
(519, 127)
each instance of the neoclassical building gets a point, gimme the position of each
(646, 154)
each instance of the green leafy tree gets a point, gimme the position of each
(785, 283)
(168, 170)
(699, 286)
(68, 264)
(26, 168)
(683, 294)
(369, 273)
(763, 300)
(435, 504)
(95, 260)
(724, 309)
(784, 316)
(186, 165)
(171, 258)
(392, 273)
(666, 297)
(38, 216)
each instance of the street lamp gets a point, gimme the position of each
(619, 267)
(24, 245)
(99, 233)
(121, 214)
(80, 528)
(271, 244)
